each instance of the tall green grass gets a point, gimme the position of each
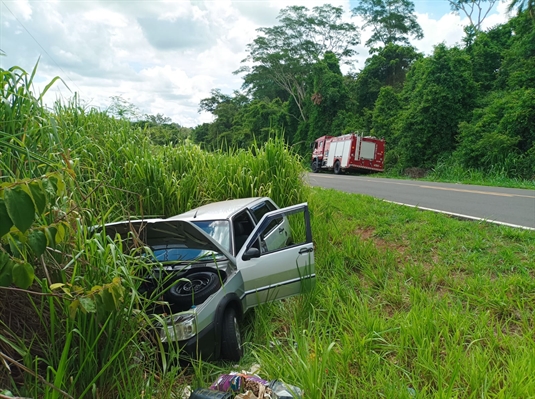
(454, 172)
(496, 175)
(81, 330)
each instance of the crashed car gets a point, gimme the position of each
(215, 262)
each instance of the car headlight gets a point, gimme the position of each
(179, 328)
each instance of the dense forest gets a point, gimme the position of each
(471, 105)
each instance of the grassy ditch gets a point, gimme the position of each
(408, 304)
(72, 323)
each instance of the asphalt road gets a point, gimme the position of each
(509, 206)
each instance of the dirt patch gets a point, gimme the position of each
(368, 235)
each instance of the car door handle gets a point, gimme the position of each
(281, 230)
(305, 250)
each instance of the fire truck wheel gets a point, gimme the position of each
(315, 166)
(337, 168)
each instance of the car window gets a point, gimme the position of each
(177, 253)
(219, 230)
(243, 226)
(294, 230)
(260, 210)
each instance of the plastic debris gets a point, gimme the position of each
(247, 385)
(282, 390)
(227, 382)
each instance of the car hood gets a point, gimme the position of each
(166, 232)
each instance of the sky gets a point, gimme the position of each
(165, 56)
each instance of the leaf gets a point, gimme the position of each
(20, 208)
(117, 290)
(88, 304)
(95, 289)
(50, 233)
(50, 188)
(5, 220)
(37, 242)
(55, 286)
(59, 185)
(60, 234)
(6, 268)
(107, 300)
(73, 307)
(23, 275)
(38, 196)
(16, 247)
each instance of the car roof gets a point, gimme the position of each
(219, 210)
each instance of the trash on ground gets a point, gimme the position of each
(245, 385)
(285, 391)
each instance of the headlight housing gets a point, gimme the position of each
(179, 328)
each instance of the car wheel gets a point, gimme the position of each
(337, 168)
(315, 166)
(194, 289)
(231, 346)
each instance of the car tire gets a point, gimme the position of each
(337, 168)
(315, 166)
(231, 345)
(194, 289)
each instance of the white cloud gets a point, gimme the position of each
(448, 29)
(163, 56)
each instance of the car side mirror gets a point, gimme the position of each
(251, 253)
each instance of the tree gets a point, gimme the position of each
(523, 5)
(123, 109)
(388, 67)
(518, 67)
(502, 134)
(257, 121)
(392, 21)
(385, 117)
(284, 54)
(439, 93)
(224, 108)
(386, 114)
(162, 130)
(328, 96)
(475, 10)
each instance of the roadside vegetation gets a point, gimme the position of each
(407, 303)
(466, 107)
(456, 173)
(71, 321)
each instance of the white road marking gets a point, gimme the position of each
(461, 216)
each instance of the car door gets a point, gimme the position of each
(281, 272)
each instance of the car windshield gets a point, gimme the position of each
(219, 230)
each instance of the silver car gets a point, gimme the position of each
(215, 262)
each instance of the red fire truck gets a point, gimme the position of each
(348, 152)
